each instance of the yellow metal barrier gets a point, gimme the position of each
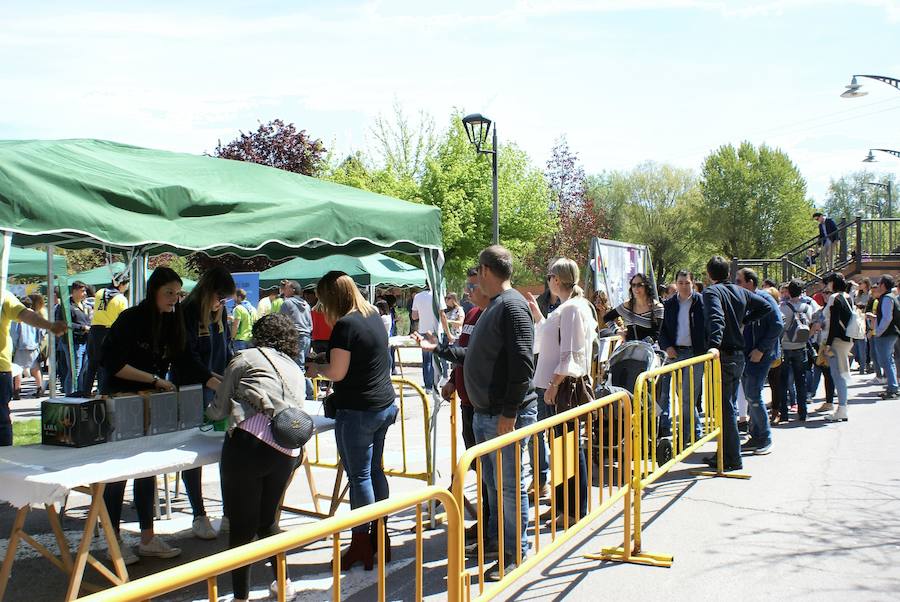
(608, 422)
(314, 448)
(656, 452)
(207, 569)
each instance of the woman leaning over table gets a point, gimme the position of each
(257, 384)
(563, 344)
(143, 345)
(364, 398)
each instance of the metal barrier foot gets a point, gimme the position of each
(716, 473)
(621, 555)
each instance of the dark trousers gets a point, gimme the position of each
(6, 392)
(114, 496)
(467, 414)
(192, 480)
(795, 363)
(91, 370)
(254, 478)
(732, 371)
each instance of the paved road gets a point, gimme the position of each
(819, 520)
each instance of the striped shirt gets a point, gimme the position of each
(260, 426)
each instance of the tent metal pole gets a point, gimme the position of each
(51, 311)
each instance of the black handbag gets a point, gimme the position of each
(328, 407)
(291, 427)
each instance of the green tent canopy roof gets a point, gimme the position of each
(85, 193)
(102, 276)
(31, 262)
(378, 270)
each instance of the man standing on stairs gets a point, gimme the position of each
(828, 237)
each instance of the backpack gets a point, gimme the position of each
(856, 325)
(798, 331)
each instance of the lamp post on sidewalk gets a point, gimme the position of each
(890, 210)
(853, 89)
(477, 129)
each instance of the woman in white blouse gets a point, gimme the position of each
(563, 343)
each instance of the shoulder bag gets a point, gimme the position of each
(573, 392)
(291, 427)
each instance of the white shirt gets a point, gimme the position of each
(428, 322)
(564, 340)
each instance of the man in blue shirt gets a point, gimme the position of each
(828, 236)
(763, 347)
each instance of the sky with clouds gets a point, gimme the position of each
(625, 80)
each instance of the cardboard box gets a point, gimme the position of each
(190, 407)
(161, 411)
(126, 417)
(73, 422)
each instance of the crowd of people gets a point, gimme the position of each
(512, 360)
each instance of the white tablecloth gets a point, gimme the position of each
(44, 474)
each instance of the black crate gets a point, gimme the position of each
(73, 422)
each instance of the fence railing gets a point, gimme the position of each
(603, 428)
(209, 568)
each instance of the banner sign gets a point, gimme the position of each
(614, 263)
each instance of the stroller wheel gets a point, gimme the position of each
(663, 451)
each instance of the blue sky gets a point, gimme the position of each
(625, 81)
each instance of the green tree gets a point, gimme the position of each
(458, 181)
(850, 196)
(404, 145)
(356, 171)
(753, 202)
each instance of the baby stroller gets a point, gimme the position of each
(626, 363)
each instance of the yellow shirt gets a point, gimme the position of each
(12, 307)
(107, 309)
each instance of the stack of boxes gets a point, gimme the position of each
(78, 422)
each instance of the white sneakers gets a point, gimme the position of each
(202, 528)
(840, 415)
(157, 548)
(289, 591)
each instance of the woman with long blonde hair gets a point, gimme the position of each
(363, 399)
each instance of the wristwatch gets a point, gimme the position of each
(154, 381)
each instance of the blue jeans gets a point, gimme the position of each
(6, 391)
(485, 427)
(884, 353)
(543, 470)
(794, 364)
(241, 345)
(71, 381)
(860, 352)
(428, 369)
(876, 361)
(732, 370)
(360, 441)
(753, 379)
(688, 404)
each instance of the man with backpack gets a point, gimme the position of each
(797, 320)
(887, 328)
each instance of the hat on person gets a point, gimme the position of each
(121, 278)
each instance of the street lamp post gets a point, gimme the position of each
(477, 128)
(853, 89)
(890, 211)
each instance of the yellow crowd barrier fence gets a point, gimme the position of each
(209, 568)
(602, 430)
(680, 387)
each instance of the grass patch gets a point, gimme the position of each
(26, 432)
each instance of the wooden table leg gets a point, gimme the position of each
(312, 484)
(56, 524)
(84, 547)
(18, 523)
(112, 542)
(337, 496)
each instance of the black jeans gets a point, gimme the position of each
(114, 496)
(794, 362)
(254, 478)
(576, 501)
(732, 371)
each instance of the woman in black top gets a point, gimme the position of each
(363, 394)
(208, 341)
(143, 345)
(642, 313)
(838, 344)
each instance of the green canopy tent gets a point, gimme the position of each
(78, 194)
(103, 275)
(31, 262)
(372, 270)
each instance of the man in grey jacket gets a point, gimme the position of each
(297, 309)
